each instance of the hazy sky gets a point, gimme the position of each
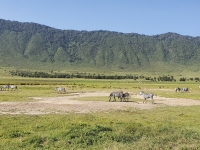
(149, 17)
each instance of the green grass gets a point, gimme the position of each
(161, 128)
(26, 92)
(158, 128)
(38, 87)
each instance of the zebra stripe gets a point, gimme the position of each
(147, 96)
(118, 94)
(60, 90)
(4, 87)
(13, 87)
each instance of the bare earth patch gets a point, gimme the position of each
(68, 104)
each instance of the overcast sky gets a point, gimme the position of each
(149, 17)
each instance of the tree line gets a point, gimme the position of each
(40, 74)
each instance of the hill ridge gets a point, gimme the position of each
(39, 46)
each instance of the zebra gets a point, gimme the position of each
(146, 96)
(126, 96)
(60, 90)
(177, 89)
(185, 89)
(4, 87)
(13, 87)
(118, 94)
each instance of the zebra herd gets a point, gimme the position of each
(14, 87)
(7, 87)
(125, 96)
(120, 95)
(185, 89)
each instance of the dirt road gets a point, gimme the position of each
(69, 104)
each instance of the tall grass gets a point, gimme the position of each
(161, 128)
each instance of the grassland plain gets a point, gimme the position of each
(166, 127)
(161, 128)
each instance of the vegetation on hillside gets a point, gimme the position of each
(35, 45)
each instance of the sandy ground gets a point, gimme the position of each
(68, 104)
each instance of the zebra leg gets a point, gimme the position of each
(114, 98)
(124, 99)
(152, 100)
(109, 98)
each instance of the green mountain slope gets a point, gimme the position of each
(31, 45)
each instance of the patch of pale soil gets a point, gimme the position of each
(67, 104)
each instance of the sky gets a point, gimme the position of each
(148, 17)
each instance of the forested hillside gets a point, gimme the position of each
(31, 45)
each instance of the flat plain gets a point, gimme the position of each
(37, 117)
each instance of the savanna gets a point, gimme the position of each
(37, 117)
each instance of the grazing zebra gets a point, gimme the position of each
(185, 89)
(13, 87)
(60, 90)
(118, 94)
(181, 89)
(177, 89)
(126, 96)
(4, 87)
(146, 96)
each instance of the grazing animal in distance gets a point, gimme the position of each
(4, 87)
(177, 89)
(13, 87)
(147, 96)
(60, 90)
(185, 89)
(126, 96)
(118, 94)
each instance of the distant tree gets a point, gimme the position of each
(182, 79)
